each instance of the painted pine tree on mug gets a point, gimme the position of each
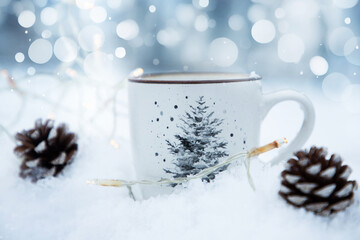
(198, 146)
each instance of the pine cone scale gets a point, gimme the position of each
(318, 184)
(328, 173)
(346, 190)
(345, 172)
(316, 207)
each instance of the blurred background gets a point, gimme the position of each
(62, 52)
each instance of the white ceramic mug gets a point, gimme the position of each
(182, 123)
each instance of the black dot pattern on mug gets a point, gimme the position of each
(163, 116)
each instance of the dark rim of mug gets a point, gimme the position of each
(194, 78)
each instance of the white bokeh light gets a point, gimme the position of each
(41, 3)
(347, 20)
(85, 4)
(351, 98)
(193, 50)
(283, 27)
(120, 52)
(168, 37)
(46, 34)
(318, 65)
(98, 14)
(152, 8)
(337, 39)
(290, 48)
(256, 12)
(301, 10)
(127, 29)
(201, 23)
(65, 49)
(334, 86)
(203, 3)
(236, 22)
(19, 57)
(156, 61)
(223, 52)
(91, 38)
(352, 50)
(280, 13)
(114, 4)
(263, 31)
(40, 51)
(26, 18)
(345, 3)
(49, 16)
(31, 71)
(98, 66)
(185, 14)
(212, 23)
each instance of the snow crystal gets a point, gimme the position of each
(254, 75)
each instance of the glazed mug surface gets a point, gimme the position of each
(182, 123)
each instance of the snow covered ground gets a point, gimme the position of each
(67, 208)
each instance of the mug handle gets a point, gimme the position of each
(271, 99)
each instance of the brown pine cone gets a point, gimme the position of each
(45, 151)
(318, 184)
